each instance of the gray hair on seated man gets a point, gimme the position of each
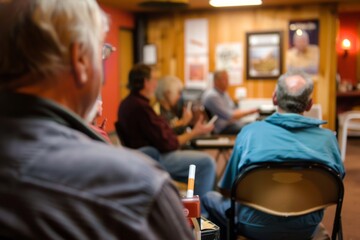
(293, 92)
(168, 85)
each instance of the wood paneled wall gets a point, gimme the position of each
(166, 31)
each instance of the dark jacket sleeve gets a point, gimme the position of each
(157, 131)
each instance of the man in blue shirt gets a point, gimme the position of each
(283, 136)
(218, 102)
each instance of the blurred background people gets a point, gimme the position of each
(139, 126)
(58, 179)
(218, 102)
(303, 56)
(168, 94)
(100, 129)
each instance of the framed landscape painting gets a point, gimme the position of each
(264, 55)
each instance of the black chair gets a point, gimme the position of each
(287, 189)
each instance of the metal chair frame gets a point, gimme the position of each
(281, 167)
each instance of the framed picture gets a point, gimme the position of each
(264, 55)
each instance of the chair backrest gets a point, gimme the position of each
(349, 125)
(288, 189)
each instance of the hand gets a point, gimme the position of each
(186, 116)
(200, 128)
(255, 110)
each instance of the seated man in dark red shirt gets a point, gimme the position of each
(139, 126)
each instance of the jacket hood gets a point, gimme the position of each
(293, 121)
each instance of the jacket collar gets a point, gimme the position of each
(20, 105)
(292, 120)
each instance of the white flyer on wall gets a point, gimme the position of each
(230, 57)
(196, 53)
(196, 36)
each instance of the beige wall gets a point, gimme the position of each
(167, 32)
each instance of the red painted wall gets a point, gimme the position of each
(110, 92)
(349, 22)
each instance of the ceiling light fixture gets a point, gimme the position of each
(233, 3)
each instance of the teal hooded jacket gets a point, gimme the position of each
(282, 137)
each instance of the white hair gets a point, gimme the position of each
(37, 35)
(170, 84)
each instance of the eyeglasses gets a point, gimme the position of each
(107, 50)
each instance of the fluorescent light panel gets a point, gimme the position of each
(233, 3)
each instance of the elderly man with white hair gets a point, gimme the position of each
(168, 94)
(58, 178)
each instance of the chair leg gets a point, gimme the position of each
(218, 154)
(340, 233)
(337, 226)
(230, 213)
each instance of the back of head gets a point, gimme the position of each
(137, 76)
(37, 35)
(169, 84)
(293, 91)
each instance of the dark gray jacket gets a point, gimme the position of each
(59, 180)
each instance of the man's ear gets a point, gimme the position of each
(274, 99)
(79, 62)
(309, 105)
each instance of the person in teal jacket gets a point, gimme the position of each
(283, 136)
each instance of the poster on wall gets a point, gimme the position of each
(196, 53)
(229, 57)
(196, 70)
(149, 54)
(263, 55)
(303, 53)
